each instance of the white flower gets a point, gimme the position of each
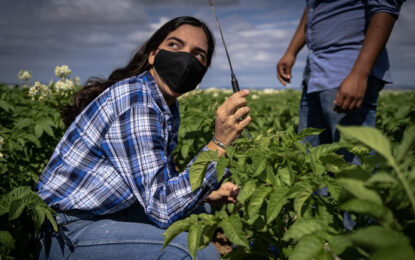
(77, 81)
(255, 96)
(24, 75)
(1, 155)
(64, 85)
(62, 71)
(39, 91)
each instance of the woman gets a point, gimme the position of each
(111, 178)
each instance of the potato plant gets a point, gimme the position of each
(278, 215)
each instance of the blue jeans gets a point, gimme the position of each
(123, 235)
(316, 110)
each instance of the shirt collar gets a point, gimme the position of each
(169, 112)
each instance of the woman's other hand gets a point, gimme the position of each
(226, 193)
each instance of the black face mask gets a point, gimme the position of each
(181, 71)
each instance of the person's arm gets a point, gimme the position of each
(353, 88)
(231, 118)
(287, 61)
(136, 147)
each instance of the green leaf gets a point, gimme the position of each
(256, 201)
(4, 205)
(398, 252)
(307, 248)
(309, 131)
(38, 216)
(333, 162)
(193, 238)
(230, 150)
(324, 149)
(221, 166)
(33, 139)
(382, 178)
(369, 208)
(323, 254)
(6, 239)
(369, 136)
(185, 150)
(46, 124)
(376, 237)
(302, 227)
(38, 130)
(338, 243)
(286, 176)
(407, 144)
(17, 206)
(232, 228)
(246, 192)
(6, 106)
(197, 170)
(207, 234)
(275, 203)
(302, 193)
(51, 220)
(175, 229)
(262, 166)
(353, 172)
(358, 189)
(23, 123)
(13, 195)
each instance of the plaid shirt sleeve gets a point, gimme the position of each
(137, 145)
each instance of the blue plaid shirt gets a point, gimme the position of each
(119, 150)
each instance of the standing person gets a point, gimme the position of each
(347, 63)
(111, 178)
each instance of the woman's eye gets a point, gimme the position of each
(199, 56)
(173, 45)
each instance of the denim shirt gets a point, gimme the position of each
(335, 31)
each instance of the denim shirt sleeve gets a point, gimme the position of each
(384, 6)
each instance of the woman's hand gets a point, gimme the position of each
(231, 118)
(226, 193)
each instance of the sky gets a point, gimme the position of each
(94, 37)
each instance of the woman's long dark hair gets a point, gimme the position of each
(138, 64)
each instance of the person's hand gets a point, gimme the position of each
(226, 193)
(284, 66)
(232, 117)
(351, 92)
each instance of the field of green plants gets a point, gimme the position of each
(278, 214)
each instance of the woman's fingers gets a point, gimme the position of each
(232, 117)
(240, 114)
(235, 101)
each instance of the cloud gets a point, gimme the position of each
(189, 2)
(93, 11)
(100, 38)
(160, 23)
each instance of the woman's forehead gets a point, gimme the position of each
(192, 35)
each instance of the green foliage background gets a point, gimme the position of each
(277, 211)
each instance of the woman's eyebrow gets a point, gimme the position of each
(176, 39)
(201, 50)
(182, 43)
